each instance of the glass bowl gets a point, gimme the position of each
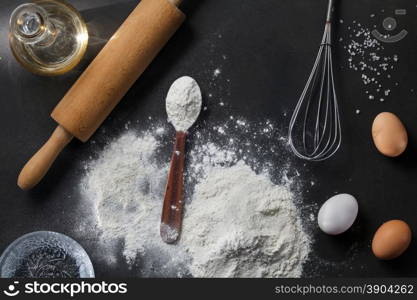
(45, 254)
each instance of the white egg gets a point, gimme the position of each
(338, 214)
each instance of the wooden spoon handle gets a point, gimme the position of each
(36, 168)
(171, 220)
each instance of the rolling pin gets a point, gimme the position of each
(106, 80)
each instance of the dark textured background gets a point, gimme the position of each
(270, 47)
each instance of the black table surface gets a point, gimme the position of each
(270, 47)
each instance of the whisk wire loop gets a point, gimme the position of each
(317, 113)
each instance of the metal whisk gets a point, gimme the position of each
(315, 132)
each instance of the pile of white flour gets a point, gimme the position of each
(237, 222)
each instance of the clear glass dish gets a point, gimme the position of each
(45, 254)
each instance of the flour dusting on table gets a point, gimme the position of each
(237, 222)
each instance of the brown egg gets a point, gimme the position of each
(389, 134)
(391, 239)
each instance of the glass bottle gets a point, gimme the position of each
(48, 37)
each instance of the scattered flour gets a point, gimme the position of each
(183, 103)
(237, 223)
(125, 185)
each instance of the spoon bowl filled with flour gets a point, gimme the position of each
(183, 103)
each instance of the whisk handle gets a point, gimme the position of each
(329, 11)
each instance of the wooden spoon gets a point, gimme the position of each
(184, 103)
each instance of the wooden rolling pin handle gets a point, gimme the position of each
(39, 164)
(175, 2)
(171, 220)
